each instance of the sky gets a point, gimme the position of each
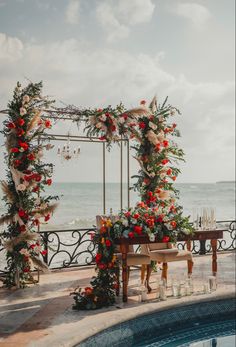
(94, 53)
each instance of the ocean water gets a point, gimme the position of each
(81, 202)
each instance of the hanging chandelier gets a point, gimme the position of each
(66, 152)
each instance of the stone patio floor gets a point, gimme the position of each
(42, 315)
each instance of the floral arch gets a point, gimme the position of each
(152, 129)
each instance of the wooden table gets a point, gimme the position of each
(212, 235)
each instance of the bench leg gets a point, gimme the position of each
(149, 271)
(143, 270)
(164, 271)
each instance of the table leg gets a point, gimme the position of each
(190, 263)
(124, 273)
(214, 256)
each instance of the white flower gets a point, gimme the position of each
(92, 120)
(152, 137)
(124, 222)
(152, 125)
(40, 154)
(151, 237)
(133, 221)
(161, 136)
(22, 111)
(103, 117)
(152, 174)
(38, 201)
(26, 99)
(21, 187)
(121, 120)
(25, 252)
(161, 118)
(99, 125)
(164, 195)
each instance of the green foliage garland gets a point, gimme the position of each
(158, 215)
(26, 176)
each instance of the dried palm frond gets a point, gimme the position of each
(153, 104)
(138, 112)
(11, 140)
(16, 175)
(47, 210)
(8, 193)
(7, 218)
(39, 264)
(142, 167)
(24, 237)
(18, 220)
(34, 122)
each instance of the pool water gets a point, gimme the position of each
(201, 324)
(217, 334)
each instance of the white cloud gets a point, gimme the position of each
(198, 14)
(106, 17)
(117, 16)
(135, 11)
(96, 78)
(11, 48)
(72, 12)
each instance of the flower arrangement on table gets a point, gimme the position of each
(27, 175)
(158, 215)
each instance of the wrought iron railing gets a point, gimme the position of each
(74, 247)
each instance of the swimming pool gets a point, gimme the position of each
(212, 322)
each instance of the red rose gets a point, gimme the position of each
(173, 178)
(14, 150)
(47, 217)
(36, 222)
(47, 123)
(127, 214)
(125, 116)
(35, 189)
(20, 132)
(11, 125)
(88, 290)
(136, 216)
(24, 145)
(102, 138)
(31, 156)
(38, 178)
(142, 125)
(174, 125)
(157, 147)
(138, 229)
(108, 243)
(32, 246)
(149, 194)
(173, 224)
(159, 219)
(98, 257)
(17, 162)
(143, 102)
(165, 161)
(113, 128)
(21, 122)
(102, 266)
(169, 171)
(165, 239)
(21, 213)
(26, 269)
(165, 143)
(131, 235)
(44, 252)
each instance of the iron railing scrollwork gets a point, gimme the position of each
(74, 247)
(228, 243)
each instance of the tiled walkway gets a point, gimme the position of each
(41, 315)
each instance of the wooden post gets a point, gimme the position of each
(190, 262)
(124, 250)
(143, 270)
(214, 256)
(164, 271)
